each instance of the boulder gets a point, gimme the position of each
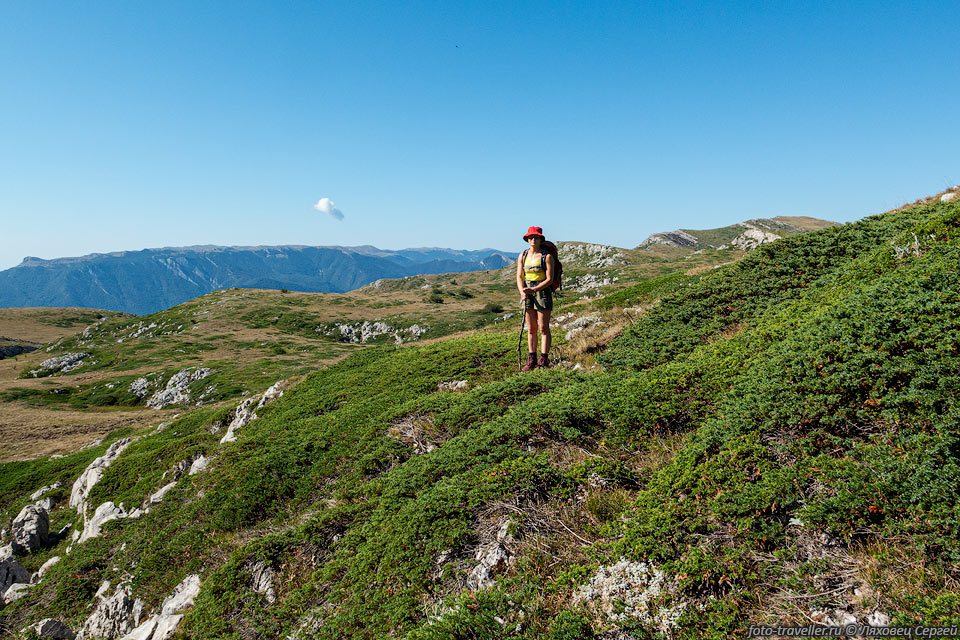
(52, 628)
(11, 571)
(177, 390)
(246, 411)
(113, 616)
(200, 464)
(30, 529)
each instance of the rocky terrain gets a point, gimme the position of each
(761, 433)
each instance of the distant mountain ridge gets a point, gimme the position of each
(152, 279)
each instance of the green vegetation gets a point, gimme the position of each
(768, 436)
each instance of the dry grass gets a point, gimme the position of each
(39, 324)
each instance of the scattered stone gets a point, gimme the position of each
(11, 571)
(262, 580)
(199, 465)
(454, 385)
(36, 495)
(158, 496)
(52, 628)
(580, 324)
(38, 576)
(92, 474)
(177, 390)
(113, 617)
(30, 529)
(629, 590)
(16, 591)
(493, 557)
(591, 281)
(361, 332)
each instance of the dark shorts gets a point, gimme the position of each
(541, 300)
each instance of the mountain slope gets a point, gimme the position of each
(153, 279)
(774, 441)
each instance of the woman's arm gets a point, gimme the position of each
(520, 275)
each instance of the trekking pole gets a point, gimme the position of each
(520, 341)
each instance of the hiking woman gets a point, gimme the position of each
(535, 270)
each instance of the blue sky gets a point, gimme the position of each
(128, 125)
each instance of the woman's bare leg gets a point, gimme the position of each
(531, 330)
(543, 320)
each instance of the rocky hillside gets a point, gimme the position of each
(772, 441)
(153, 279)
(745, 235)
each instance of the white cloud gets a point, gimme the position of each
(325, 205)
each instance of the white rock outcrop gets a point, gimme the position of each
(177, 390)
(453, 385)
(157, 497)
(597, 256)
(199, 465)
(93, 525)
(42, 571)
(164, 624)
(92, 474)
(493, 557)
(247, 411)
(114, 616)
(16, 591)
(39, 493)
(262, 580)
(64, 363)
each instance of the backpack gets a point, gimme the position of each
(548, 247)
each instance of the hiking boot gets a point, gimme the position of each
(531, 362)
(544, 361)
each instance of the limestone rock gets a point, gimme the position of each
(11, 571)
(453, 385)
(64, 363)
(44, 568)
(597, 256)
(182, 596)
(671, 238)
(199, 465)
(30, 529)
(113, 616)
(140, 387)
(947, 197)
(177, 390)
(262, 580)
(578, 325)
(92, 474)
(493, 557)
(39, 493)
(106, 512)
(45, 503)
(246, 411)
(16, 591)
(158, 496)
(52, 628)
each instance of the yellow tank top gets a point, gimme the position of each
(533, 271)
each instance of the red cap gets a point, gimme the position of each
(533, 231)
